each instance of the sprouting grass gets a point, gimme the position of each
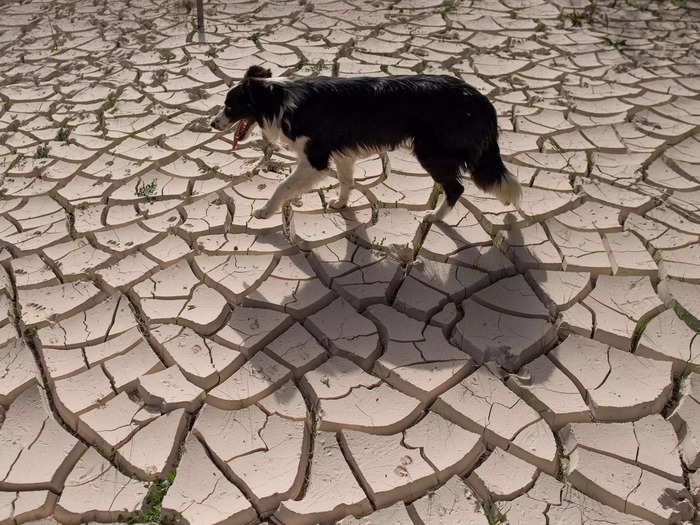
(561, 467)
(541, 27)
(146, 191)
(318, 66)
(303, 62)
(617, 44)
(576, 18)
(153, 506)
(62, 135)
(378, 245)
(637, 335)
(494, 513)
(447, 6)
(209, 170)
(255, 37)
(110, 101)
(42, 152)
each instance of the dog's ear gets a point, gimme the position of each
(259, 91)
(257, 72)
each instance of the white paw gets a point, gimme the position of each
(431, 216)
(261, 213)
(337, 204)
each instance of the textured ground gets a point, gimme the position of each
(533, 366)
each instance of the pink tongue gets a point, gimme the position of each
(237, 134)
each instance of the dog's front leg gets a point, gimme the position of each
(344, 166)
(303, 179)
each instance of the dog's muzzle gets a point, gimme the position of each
(221, 122)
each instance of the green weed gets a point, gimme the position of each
(447, 6)
(303, 62)
(617, 44)
(494, 513)
(110, 101)
(62, 135)
(318, 66)
(146, 191)
(152, 508)
(42, 152)
(378, 245)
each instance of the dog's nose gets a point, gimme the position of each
(213, 124)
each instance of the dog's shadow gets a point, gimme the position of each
(481, 253)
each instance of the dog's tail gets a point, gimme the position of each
(491, 175)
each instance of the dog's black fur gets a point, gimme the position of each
(449, 125)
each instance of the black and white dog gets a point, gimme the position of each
(447, 123)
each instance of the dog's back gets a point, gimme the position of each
(448, 123)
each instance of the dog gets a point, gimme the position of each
(449, 125)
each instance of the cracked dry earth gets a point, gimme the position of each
(528, 366)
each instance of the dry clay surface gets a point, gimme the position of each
(166, 356)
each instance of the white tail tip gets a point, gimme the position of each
(508, 190)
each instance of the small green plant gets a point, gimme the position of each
(14, 125)
(541, 27)
(687, 370)
(576, 18)
(447, 6)
(303, 62)
(494, 513)
(318, 66)
(146, 191)
(589, 161)
(110, 101)
(302, 2)
(255, 37)
(159, 76)
(378, 245)
(384, 68)
(209, 170)
(42, 152)
(638, 331)
(166, 55)
(62, 135)
(30, 332)
(617, 44)
(561, 468)
(324, 203)
(153, 505)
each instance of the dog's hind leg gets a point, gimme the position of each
(303, 179)
(453, 190)
(445, 170)
(344, 166)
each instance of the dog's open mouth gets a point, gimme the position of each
(242, 129)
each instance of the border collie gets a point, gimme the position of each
(448, 124)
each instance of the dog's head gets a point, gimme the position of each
(241, 102)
